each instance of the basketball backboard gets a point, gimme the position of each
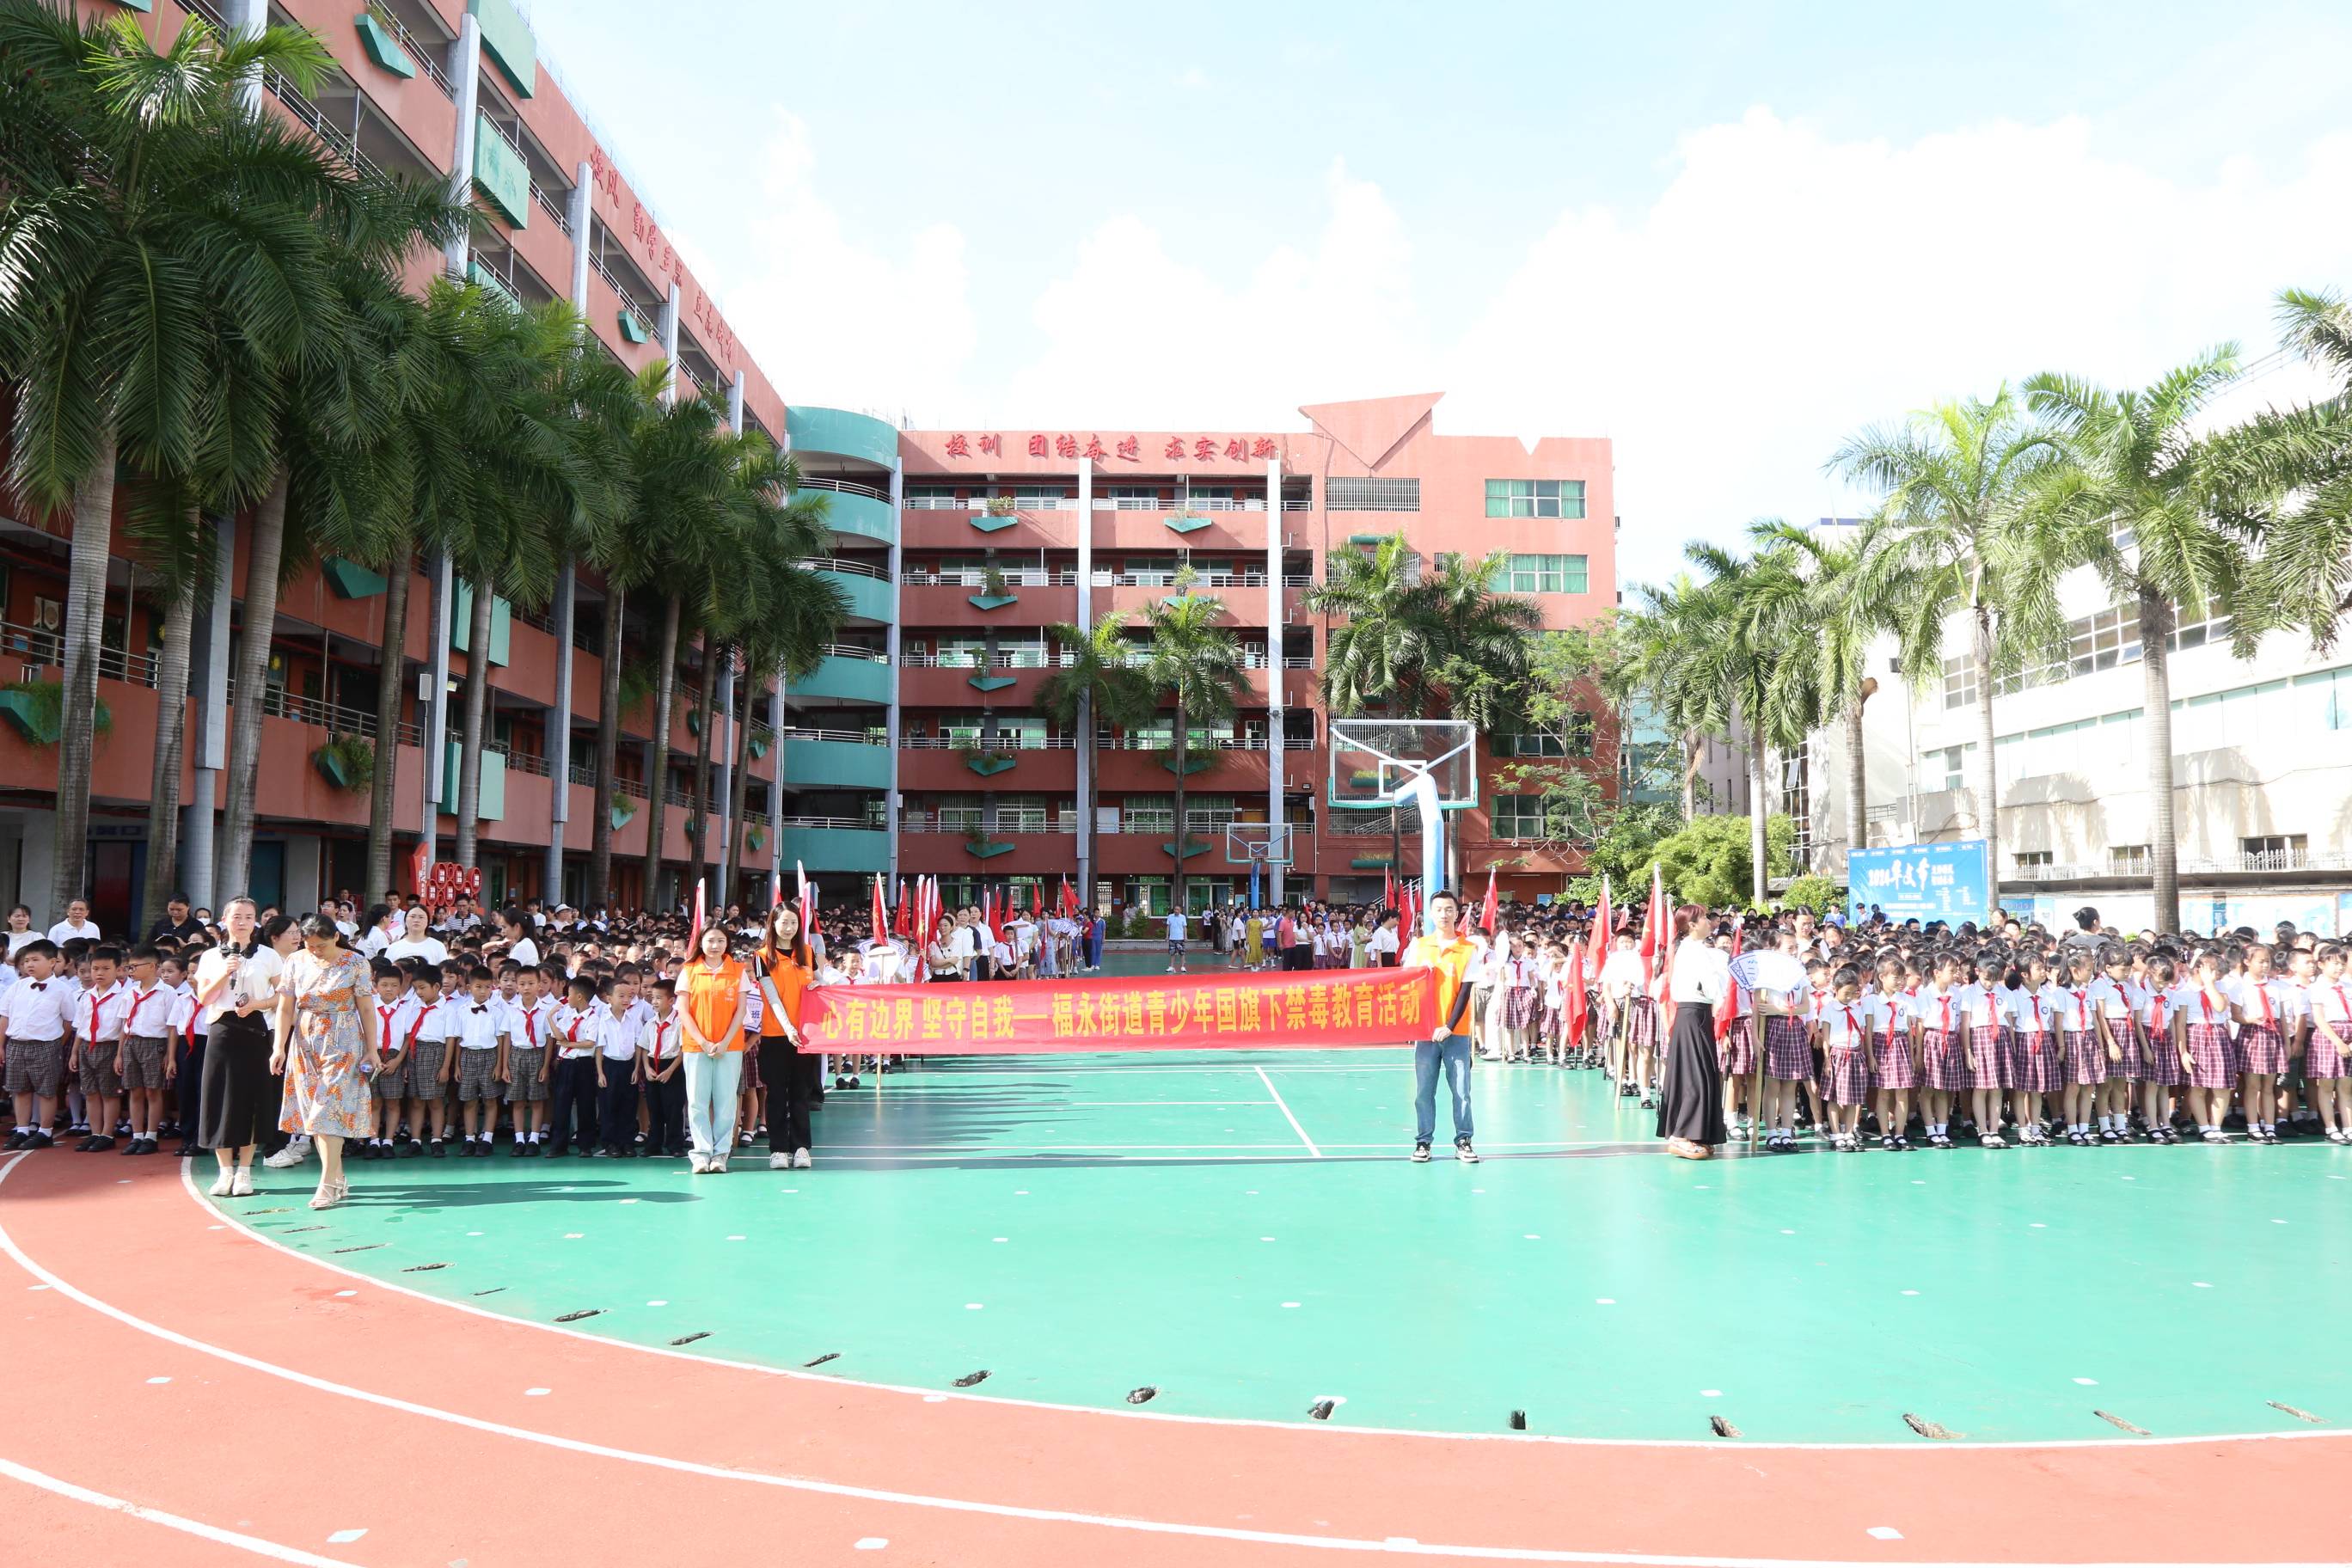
(1257, 843)
(1373, 760)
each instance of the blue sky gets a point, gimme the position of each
(1724, 235)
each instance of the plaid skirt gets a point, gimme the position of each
(94, 1068)
(1787, 1048)
(143, 1056)
(1944, 1060)
(1984, 1040)
(2321, 1059)
(1519, 1007)
(476, 1074)
(2160, 1061)
(523, 1063)
(2086, 1056)
(1736, 1052)
(425, 1060)
(1845, 1076)
(1644, 1030)
(392, 1082)
(2214, 1059)
(2033, 1057)
(1555, 1025)
(1895, 1068)
(2133, 1063)
(2260, 1049)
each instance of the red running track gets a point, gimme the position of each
(303, 1404)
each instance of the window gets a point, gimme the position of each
(1371, 495)
(2194, 626)
(1535, 498)
(2103, 641)
(2130, 860)
(1519, 817)
(2032, 859)
(1541, 574)
(1960, 680)
(2275, 851)
(1945, 769)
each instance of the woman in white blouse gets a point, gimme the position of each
(416, 940)
(236, 992)
(1690, 1093)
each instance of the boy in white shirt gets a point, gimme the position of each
(143, 1060)
(35, 1021)
(528, 1022)
(659, 1060)
(397, 1012)
(479, 1028)
(98, 1040)
(429, 1064)
(617, 1033)
(571, 1079)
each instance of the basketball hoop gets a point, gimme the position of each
(1382, 763)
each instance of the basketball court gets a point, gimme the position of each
(1192, 1307)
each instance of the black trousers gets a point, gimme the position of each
(572, 1091)
(617, 1107)
(188, 1082)
(792, 1079)
(666, 1115)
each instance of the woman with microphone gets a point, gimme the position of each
(1690, 1095)
(236, 992)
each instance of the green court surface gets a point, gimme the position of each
(1241, 1234)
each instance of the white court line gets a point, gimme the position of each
(1286, 1114)
(1397, 1545)
(213, 1533)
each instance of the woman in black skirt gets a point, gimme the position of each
(236, 992)
(1690, 1094)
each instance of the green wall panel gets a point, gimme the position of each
(847, 680)
(843, 433)
(378, 44)
(861, 515)
(821, 849)
(507, 40)
(461, 621)
(494, 782)
(869, 597)
(501, 175)
(836, 765)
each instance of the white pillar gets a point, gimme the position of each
(776, 791)
(579, 215)
(436, 696)
(1275, 759)
(1087, 875)
(669, 345)
(465, 68)
(559, 727)
(722, 740)
(208, 741)
(890, 804)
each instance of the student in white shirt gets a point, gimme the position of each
(98, 1040)
(395, 1010)
(660, 1060)
(480, 1028)
(416, 940)
(572, 1077)
(1176, 940)
(617, 1033)
(2327, 1055)
(142, 1060)
(35, 1019)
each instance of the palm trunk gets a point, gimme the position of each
(391, 670)
(2163, 830)
(1690, 775)
(1857, 780)
(1759, 811)
(93, 509)
(1176, 888)
(608, 752)
(252, 690)
(706, 707)
(737, 794)
(171, 749)
(1988, 798)
(658, 752)
(469, 744)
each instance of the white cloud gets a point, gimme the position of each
(1194, 77)
(830, 318)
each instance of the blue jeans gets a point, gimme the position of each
(1455, 1051)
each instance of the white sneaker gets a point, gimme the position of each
(293, 1154)
(242, 1187)
(802, 1160)
(780, 1161)
(223, 1185)
(697, 1164)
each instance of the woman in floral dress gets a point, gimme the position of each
(326, 1048)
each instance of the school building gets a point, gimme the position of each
(917, 747)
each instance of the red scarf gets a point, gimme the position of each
(2261, 989)
(1947, 1000)
(2081, 1012)
(2155, 1015)
(2205, 1000)
(95, 1004)
(1860, 1034)
(416, 1027)
(661, 1026)
(140, 999)
(530, 1024)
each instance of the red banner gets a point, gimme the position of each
(1311, 1009)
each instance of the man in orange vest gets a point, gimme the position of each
(1448, 951)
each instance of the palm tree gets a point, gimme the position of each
(149, 216)
(1195, 663)
(1805, 694)
(1659, 634)
(2283, 484)
(2144, 485)
(1963, 532)
(1100, 683)
(177, 547)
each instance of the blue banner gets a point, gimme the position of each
(1951, 882)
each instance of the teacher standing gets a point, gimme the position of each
(1690, 1093)
(712, 1005)
(237, 992)
(326, 1048)
(786, 970)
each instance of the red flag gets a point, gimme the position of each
(899, 926)
(1658, 947)
(1597, 944)
(1037, 900)
(1572, 1016)
(420, 866)
(1487, 909)
(694, 937)
(1387, 888)
(1731, 1000)
(881, 912)
(988, 914)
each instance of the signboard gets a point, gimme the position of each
(1951, 882)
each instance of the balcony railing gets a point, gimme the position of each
(326, 130)
(968, 823)
(423, 56)
(554, 210)
(1198, 503)
(939, 503)
(2199, 865)
(35, 645)
(851, 650)
(1006, 658)
(583, 774)
(850, 568)
(645, 318)
(1003, 740)
(843, 487)
(848, 737)
(279, 703)
(831, 824)
(521, 761)
(1013, 576)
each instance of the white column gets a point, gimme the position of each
(208, 741)
(580, 215)
(1085, 622)
(669, 345)
(776, 790)
(735, 404)
(465, 68)
(891, 802)
(722, 740)
(567, 594)
(1275, 759)
(436, 695)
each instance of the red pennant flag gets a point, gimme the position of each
(1573, 1010)
(1597, 942)
(1037, 900)
(899, 926)
(1487, 909)
(881, 913)
(1731, 1000)
(1387, 888)
(694, 937)
(1658, 946)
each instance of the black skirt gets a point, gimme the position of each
(1690, 1090)
(240, 1101)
